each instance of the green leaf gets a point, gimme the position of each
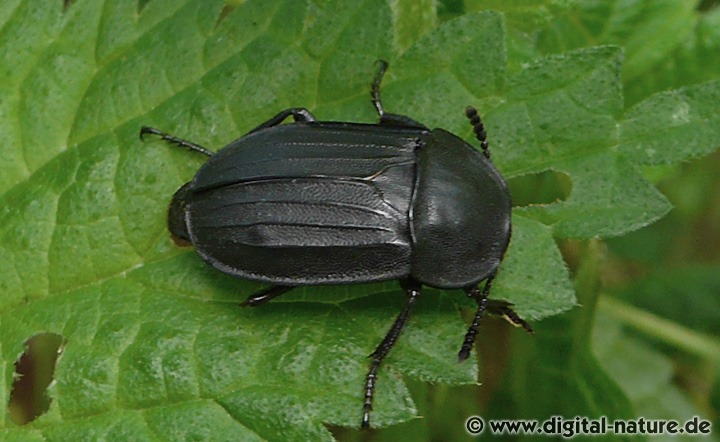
(687, 296)
(644, 374)
(555, 373)
(648, 29)
(694, 61)
(608, 199)
(672, 126)
(667, 43)
(552, 377)
(536, 278)
(526, 21)
(413, 18)
(156, 345)
(561, 115)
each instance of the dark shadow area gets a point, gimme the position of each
(226, 10)
(141, 5)
(34, 371)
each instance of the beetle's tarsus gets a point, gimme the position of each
(504, 309)
(174, 140)
(266, 295)
(412, 289)
(365, 424)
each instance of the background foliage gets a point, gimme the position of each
(593, 109)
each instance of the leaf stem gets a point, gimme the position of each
(669, 332)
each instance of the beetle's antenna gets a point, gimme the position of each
(412, 289)
(174, 140)
(478, 128)
(375, 87)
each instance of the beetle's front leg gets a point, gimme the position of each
(480, 296)
(492, 306)
(412, 289)
(299, 114)
(387, 119)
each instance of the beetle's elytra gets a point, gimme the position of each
(317, 202)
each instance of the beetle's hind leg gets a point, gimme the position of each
(412, 290)
(266, 295)
(174, 140)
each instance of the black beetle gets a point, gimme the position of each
(314, 202)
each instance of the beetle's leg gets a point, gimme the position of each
(389, 119)
(504, 309)
(480, 296)
(492, 306)
(174, 140)
(375, 87)
(412, 290)
(299, 114)
(266, 295)
(478, 128)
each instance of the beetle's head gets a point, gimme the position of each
(176, 217)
